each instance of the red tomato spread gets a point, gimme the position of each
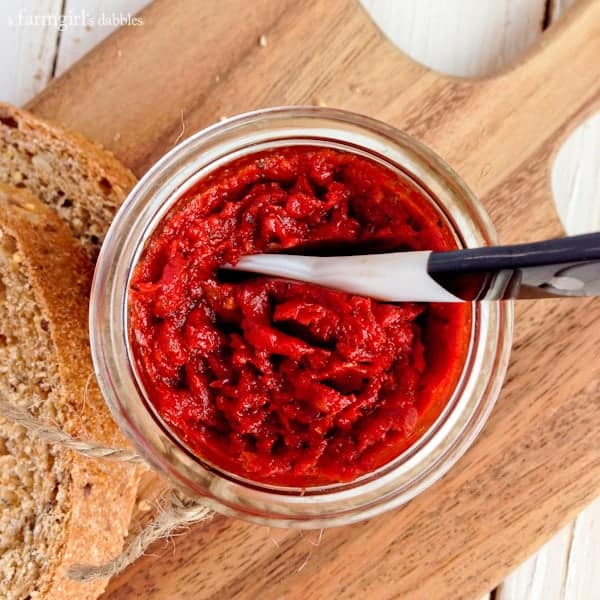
(282, 382)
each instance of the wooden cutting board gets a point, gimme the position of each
(537, 462)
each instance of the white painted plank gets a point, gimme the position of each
(93, 20)
(565, 569)
(543, 576)
(576, 170)
(466, 38)
(576, 178)
(27, 47)
(583, 576)
(558, 7)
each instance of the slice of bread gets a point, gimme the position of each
(84, 183)
(56, 507)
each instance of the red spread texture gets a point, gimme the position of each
(282, 382)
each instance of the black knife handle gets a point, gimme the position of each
(568, 266)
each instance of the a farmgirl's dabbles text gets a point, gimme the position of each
(282, 382)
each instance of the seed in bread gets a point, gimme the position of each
(81, 181)
(56, 507)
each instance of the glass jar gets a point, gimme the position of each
(389, 486)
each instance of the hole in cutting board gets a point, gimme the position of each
(464, 38)
(575, 178)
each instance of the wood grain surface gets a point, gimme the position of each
(538, 461)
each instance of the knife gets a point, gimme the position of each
(561, 267)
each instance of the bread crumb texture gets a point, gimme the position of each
(56, 507)
(84, 183)
(34, 478)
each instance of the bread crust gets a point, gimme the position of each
(102, 493)
(81, 181)
(87, 152)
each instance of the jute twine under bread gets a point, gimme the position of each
(174, 512)
(178, 512)
(54, 435)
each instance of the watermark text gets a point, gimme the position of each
(82, 18)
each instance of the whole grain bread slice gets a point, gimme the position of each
(84, 183)
(56, 507)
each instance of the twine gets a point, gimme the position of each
(176, 511)
(54, 435)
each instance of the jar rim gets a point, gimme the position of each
(317, 506)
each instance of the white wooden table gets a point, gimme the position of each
(460, 37)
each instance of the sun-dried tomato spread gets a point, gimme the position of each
(283, 382)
